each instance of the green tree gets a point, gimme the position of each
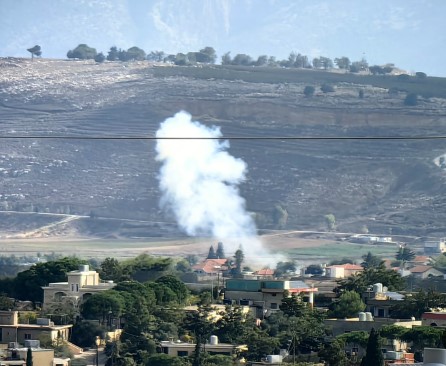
(342, 63)
(177, 286)
(417, 304)
(233, 324)
(373, 355)
(239, 257)
(82, 52)
(5, 302)
(420, 75)
(133, 54)
(84, 333)
(423, 336)
(99, 57)
(35, 51)
(207, 55)
(220, 251)
(103, 305)
(111, 269)
(242, 59)
(309, 91)
(411, 99)
(166, 360)
(372, 261)
(356, 338)
(262, 60)
(29, 357)
(113, 54)
(404, 254)
(348, 305)
(211, 254)
(334, 353)
(330, 221)
(293, 306)
(226, 59)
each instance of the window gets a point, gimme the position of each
(27, 336)
(274, 305)
(77, 287)
(165, 350)
(274, 294)
(182, 353)
(381, 313)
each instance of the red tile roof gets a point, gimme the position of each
(211, 265)
(420, 269)
(265, 272)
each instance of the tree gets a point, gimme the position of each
(113, 54)
(293, 306)
(239, 257)
(35, 51)
(99, 57)
(29, 357)
(84, 333)
(220, 251)
(417, 304)
(420, 75)
(133, 54)
(309, 91)
(207, 55)
(334, 353)
(330, 221)
(373, 355)
(343, 63)
(5, 302)
(233, 324)
(411, 99)
(242, 59)
(262, 60)
(111, 269)
(372, 261)
(178, 287)
(404, 254)
(226, 59)
(82, 52)
(348, 305)
(102, 306)
(156, 56)
(211, 254)
(361, 96)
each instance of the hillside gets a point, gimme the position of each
(387, 185)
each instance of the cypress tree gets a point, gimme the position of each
(212, 254)
(220, 251)
(373, 355)
(29, 357)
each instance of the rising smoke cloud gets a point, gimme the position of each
(199, 183)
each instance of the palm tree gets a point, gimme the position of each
(404, 255)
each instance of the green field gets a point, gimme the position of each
(342, 250)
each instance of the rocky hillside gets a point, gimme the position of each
(385, 185)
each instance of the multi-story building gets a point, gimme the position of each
(11, 331)
(80, 284)
(266, 295)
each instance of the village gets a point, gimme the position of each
(122, 313)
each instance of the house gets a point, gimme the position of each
(266, 295)
(434, 319)
(184, 349)
(342, 270)
(12, 331)
(81, 284)
(265, 273)
(18, 356)
(210, 267)
(424, 272)
(437, 246)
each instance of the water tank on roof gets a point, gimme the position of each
(362, 317)
(378, 287)
(368, 316)
(84, 268)
(214, 340)
(393, 355)
(274, 359)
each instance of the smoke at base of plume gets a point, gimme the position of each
(199, 183)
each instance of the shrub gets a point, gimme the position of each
(309, 91)
(411, 99)
(99, 57)
(327, 88)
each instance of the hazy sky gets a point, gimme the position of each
(409, 33)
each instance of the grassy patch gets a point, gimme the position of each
(341, 250)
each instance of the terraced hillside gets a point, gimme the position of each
(386, 185)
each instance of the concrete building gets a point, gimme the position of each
(11, 331)
(437, 246)
(266, 295)
(342, 270)
(214, 347)
(424, 272)
(18, 356)
(434, 319)
(80, 284)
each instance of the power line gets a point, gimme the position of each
(154, 138)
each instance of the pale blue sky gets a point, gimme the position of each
(409, 33)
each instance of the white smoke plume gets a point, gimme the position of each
(199, 183)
